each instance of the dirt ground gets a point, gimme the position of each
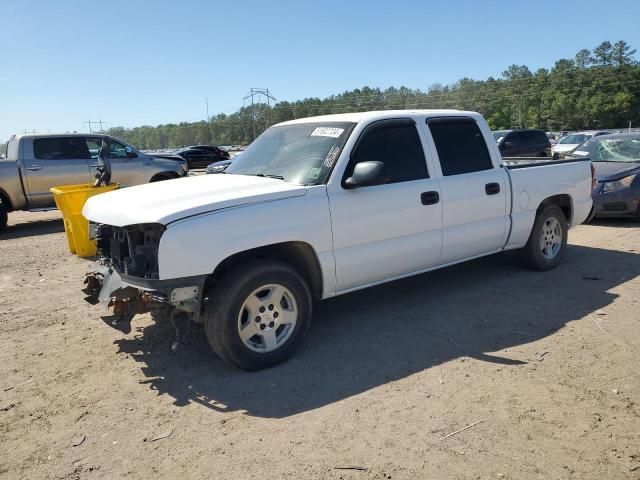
(547, 363)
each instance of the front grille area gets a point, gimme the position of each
(132, 250)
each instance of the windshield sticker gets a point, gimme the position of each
(327, 132)
(314, 173)
(331, 157)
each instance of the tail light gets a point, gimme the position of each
(593, 178)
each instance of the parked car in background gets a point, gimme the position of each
(523, 143)
(36, 163)
(200, 156)
(319, 207)
(570, 142)
(616, 158)
(218, 167)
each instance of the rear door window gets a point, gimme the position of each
(516, 139)
(460, 144)
(60, 148)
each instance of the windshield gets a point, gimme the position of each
(575, 139)
(613, 150)
(302, 153)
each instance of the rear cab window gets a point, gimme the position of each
(60, 148)
(460, 145)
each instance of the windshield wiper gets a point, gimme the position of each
(277, 177)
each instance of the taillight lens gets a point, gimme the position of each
(593, 178)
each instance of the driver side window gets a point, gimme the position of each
(118, 150)
(397, 146)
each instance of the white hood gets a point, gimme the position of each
(171, 200)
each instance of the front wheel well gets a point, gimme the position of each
(163, 176)
(563, 201)
(300, 255)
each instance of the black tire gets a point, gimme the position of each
(532, 253)
(161, 177)
(225, 302)
(4, 216)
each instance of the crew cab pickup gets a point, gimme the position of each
(319, 207)
(36, 163)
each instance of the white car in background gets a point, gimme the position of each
(570, 142)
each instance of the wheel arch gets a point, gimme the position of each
(300, 255)
(163, 176)
(563, 201)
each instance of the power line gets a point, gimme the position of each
(257, 92)
(96, 122)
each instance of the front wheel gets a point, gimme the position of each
(548, 239)
(257, 314)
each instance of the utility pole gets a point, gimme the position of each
(260, 93)
(99, 122)
(206, 101)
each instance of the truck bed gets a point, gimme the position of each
(534, 179)
(523, 162)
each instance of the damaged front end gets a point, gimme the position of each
(125, 278)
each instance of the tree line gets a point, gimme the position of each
(598, 88)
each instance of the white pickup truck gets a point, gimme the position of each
(322, 206)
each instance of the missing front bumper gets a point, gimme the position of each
(130, 295)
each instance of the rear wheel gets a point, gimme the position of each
(257, 315)
(4, 216)
(548, 239)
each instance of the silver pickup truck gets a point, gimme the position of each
(35, 163)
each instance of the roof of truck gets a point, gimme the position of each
(377, 115)
(61, 134)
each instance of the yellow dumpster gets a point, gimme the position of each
(70, 199)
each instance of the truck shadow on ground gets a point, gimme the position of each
(33, 228)
(365, 339)
(615, 222)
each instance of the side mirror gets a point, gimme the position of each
(366, 174)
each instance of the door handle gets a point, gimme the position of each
(492, 188)
(429, 198)
(146, 164)
(94, 165)
(34, 168)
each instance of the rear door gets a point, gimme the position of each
(51, 162)
(474, 205)
(386, 231)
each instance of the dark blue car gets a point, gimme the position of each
(616, 159)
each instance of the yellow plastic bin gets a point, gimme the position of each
(70, 199)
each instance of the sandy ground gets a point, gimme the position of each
(548, 363)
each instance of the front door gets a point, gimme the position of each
(127, 168)
(474, 193)
(386, 231)
(53, 162)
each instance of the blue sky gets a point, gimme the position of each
(134, 62)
